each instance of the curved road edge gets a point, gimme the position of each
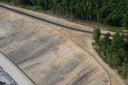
(14, 71)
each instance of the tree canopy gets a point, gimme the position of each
(114, 51)
(96, 35)
(109, 12)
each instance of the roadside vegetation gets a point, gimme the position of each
(113, 51)
(113, 13)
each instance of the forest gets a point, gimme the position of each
(107, 12)
(114, 51)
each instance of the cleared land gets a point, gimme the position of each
(48, 54)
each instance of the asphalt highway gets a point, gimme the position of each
(9, 67)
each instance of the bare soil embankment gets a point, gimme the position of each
(77, 34)
(45, 55)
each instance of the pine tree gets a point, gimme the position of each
(96, 35)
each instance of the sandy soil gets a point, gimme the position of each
(53, 55)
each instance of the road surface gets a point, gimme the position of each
(14, 71)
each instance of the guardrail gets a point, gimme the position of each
(8, 76)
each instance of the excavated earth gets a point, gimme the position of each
(46, 55)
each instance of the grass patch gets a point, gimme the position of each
(115, 29)
(118, 29)
(8, 2)
(34, 8)
(38, 8)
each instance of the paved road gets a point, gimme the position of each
(14, 71)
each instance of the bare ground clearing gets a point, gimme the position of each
(51, 55)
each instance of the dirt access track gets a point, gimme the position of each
(52, 51)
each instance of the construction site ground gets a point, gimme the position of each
(53, 51)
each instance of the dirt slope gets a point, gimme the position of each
(45, 55)
(28, 43)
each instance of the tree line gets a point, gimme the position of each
(113, 51)
(108, 12)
